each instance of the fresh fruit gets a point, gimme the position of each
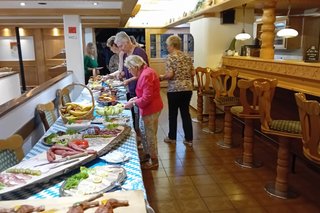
(111, 110)
(73, 111)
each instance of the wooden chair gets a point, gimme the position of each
(309, 112)
(11, 152)
(224, 82)
(64, 96)
(47, 114)
(284, 130)
(204, 89)
(249, 111)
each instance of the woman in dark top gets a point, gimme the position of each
(90, 61)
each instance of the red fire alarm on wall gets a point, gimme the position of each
(72, 30)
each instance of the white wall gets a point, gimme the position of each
(9, 51)
(88, 35)
(211, 39)
(12, 82)
(18, 117)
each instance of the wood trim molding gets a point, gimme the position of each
(295, 76)
(61, 12)
(126, 11)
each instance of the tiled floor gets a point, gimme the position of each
(206, 179)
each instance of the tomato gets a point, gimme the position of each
(82, 143)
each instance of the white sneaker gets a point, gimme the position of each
(168, 140)
(188, 143)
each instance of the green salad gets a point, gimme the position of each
(73, 181)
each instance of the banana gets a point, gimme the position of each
(71, 117)
(86, 108)
(77, 113)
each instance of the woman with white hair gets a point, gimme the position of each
(150, 104)
(179, 73)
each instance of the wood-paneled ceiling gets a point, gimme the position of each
(99, 13)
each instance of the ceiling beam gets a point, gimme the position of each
(126, 11)
(59, 12)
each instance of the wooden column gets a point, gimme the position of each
(267, 36)
(40, 58)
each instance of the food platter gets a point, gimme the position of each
(135, 201)
(98, 179)
(60, 165)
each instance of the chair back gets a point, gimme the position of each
(220, 80)
(11, 152)
(249, 97)
(309, 113)
(265, 91)
(64, 96)
(203, 79)
(47, 114)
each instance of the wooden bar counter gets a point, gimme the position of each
(293, 76)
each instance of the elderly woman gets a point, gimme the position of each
(90, 61)
(116, 58)
(179, 73)
(149, 101)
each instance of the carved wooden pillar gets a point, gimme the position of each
(267, 36)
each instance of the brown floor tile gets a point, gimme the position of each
(252, 210)
(213, 169)
(233, 188)
(224, 177)
(225, 211)
(157, 182)
(195, 170)
(254, 186)
(171, 163)
(181, 180)
(279, 209)
(241, 201)
(245, 176)
(209, 190)
(168, 206)
(190, 162)
(266, 200)
(310, 208)
(202, 179)
(218, 203)
(193, 206)
(161, 193)
(185, 192)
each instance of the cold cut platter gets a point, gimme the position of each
(62, 157)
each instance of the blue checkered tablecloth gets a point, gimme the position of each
(50, 188)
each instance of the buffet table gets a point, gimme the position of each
(50, 189)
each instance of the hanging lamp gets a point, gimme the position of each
(243, 35)
(287, 32)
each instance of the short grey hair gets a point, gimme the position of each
(134, 61)
(110, 41)
(122, 36)
(174, 41)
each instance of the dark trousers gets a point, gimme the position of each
(135, 114)
(180, 100)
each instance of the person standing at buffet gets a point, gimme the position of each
(90, 62)
(150, 104)
(179, 73)
(114, 62)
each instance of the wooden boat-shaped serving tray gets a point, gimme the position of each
(135, 198)
(101, 145)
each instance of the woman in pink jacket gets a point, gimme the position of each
(150, 104)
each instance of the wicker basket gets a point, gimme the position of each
(65, 92)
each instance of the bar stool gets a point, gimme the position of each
(47, 115)
(204, 90)
(249, 111)
(224, 83)
(11, 152)
(285, 130)
(309, 113)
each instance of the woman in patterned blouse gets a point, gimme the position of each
(179, 73)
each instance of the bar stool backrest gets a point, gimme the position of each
(265, 90)
(220, 80)
(203, 79)
(64, 96)
(11, 152)
(309, 113)
(249, 98)
(47, 114)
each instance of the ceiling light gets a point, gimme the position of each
(95, 3)
(287, 32)
(243, 35)
(22, 4)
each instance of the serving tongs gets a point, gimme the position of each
(66, 160)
